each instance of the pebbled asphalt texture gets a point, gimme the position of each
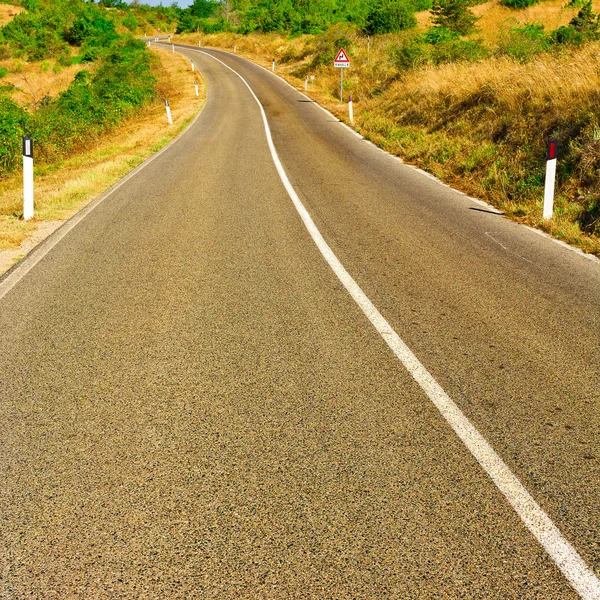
(191, 405)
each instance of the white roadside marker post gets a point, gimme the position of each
(350, 111)
(306, 84)
(550, 177)
(173, 48)
(199, 44)
(312, 80)
(235, 48)
(196, 86)
(27, 178)
(273, 66)
(169, 118)
(192, 66)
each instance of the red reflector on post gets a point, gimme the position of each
(552, 147)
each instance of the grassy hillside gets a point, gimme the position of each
(476, 110)
(90, 95)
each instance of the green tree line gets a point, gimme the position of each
(117, 82)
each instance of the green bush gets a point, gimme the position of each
(421, 5)
(121, 83)
(204, 9)
(38, 35)
(518, 3)
(457, 50)
(387, 16)
(130, 22)
(567, 35)
(523, 42)
(454, 15)
(328, 45)
(436, 46)
(582, 28)
(13, 125)
(411, 54)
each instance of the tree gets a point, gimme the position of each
(203, 8)
(454, 15)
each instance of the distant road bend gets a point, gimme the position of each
(277, 363)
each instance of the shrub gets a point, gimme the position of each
(130, 22)
(518, 3)
(268, 16)
(523, 42)
(390, 15)
(37, 34)
(582, 28)
(589, 218)
(412, 53)
(13, 124)
(435, 46)
(328, 45)
(454, 15)
(204, 8)
(121, 83)
(421, 5)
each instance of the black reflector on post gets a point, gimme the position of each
(27, 146)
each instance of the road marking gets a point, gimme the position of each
(14, 275)
(536, 520)
(418, 170)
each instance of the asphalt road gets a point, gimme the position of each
(192, 405)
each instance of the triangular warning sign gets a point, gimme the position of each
(341, 56)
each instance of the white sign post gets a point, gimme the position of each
(196, 86)
(169, 118)
(27, 178)
(550, 177)
(341, 62)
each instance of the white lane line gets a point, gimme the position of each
(537, 521)
(8, 281)
(417, 169)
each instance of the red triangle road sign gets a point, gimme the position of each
(341, 58)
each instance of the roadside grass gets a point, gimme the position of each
(63, 188)
(32, 82)
(481, 126)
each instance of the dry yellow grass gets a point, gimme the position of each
(33, 81)
(551, 84)
(61, 190)
(480, 126)
(8, 12)
(495, 18)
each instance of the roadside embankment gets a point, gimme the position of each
(64, 187)
(481, 126)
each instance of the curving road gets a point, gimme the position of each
(192, 405)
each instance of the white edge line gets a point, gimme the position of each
(14, 275)
(413, 167)
(536, 520)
